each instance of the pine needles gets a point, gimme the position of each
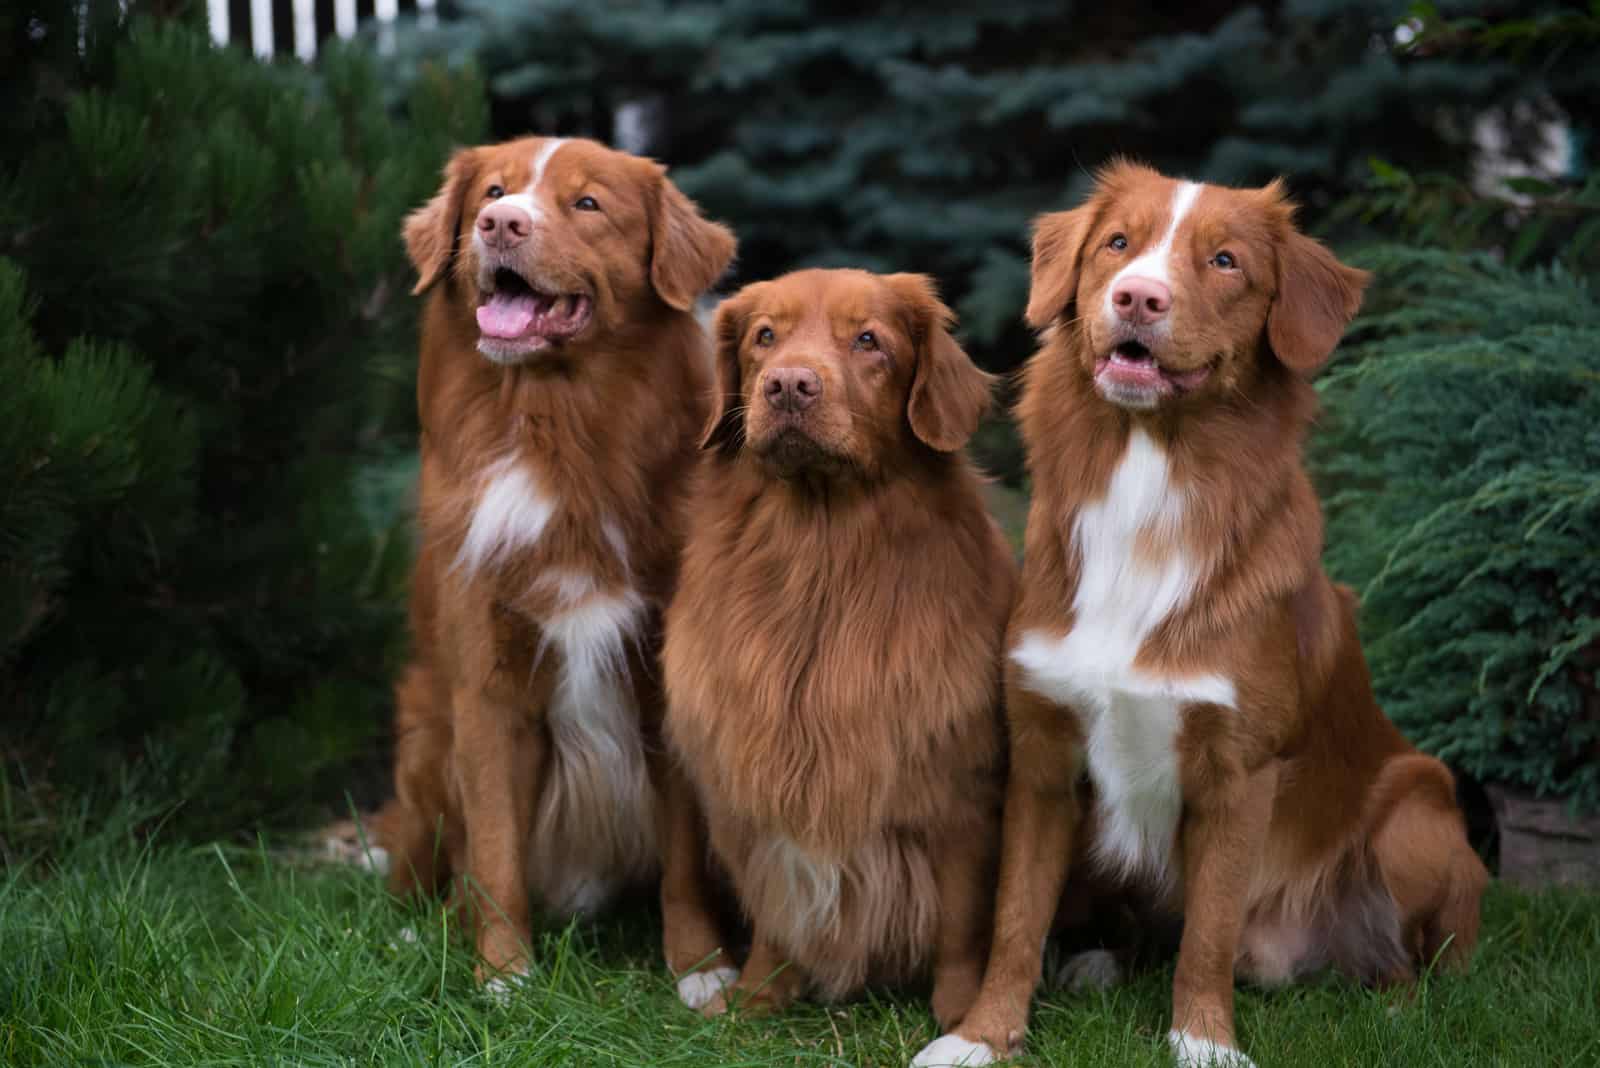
(1459, 459)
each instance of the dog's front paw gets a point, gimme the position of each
(501, 987)
(719, 1004)
(953, 1051)
(346, 842)
(698, 989)
(1192, 1051)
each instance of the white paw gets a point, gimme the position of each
(356, 851)
(1192, 1051)
(501, 988)
(953, 1050)
(1096, 969)
(698, 988)
(408, 935)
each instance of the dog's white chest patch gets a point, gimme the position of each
(598, 801)
(510, 515)
(1131, 717)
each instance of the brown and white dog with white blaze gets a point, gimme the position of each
(832, 655)
(1185, 688)
(563, 386)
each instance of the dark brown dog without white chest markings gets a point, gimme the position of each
(562, 391)
(1176, 640)
(831, 658)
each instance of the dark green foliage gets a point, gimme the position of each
(1529, 218)
(922, 137)
(1457, 459)
(926, 137)
(206, 350)
(206, 426)
(1459, 447)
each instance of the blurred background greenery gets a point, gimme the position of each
(206, 346)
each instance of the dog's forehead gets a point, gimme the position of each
(574, 161)
(530, 163)
(784, 298)
(1137, 194)
(509, 164)
(1248, 219)
(1175, 213)
(836, 299)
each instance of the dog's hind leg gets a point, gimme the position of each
(418, 827)
(1426, 863)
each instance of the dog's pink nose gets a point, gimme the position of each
(1141, 300)
(791, 389)
(504, 225)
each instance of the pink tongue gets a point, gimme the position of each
(507, 315)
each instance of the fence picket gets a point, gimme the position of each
(306, 34)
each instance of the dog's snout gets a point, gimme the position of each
(504, 225)
(1141, 300)
(791, 389)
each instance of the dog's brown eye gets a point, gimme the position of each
(1224, 261)
(765, 336)
(1118, 243)
(867, 341)
(587, 204)
(494, 192)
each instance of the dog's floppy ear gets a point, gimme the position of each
(688, 252)
(949, 395)
(430, 231)
(1057, 249)
(724, 428)
(1317, 297)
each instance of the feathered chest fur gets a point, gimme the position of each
(1133, 576)
(821, 661)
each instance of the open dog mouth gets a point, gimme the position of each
(515, 311)
(1132, 366)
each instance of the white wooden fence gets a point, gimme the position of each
(269, 27)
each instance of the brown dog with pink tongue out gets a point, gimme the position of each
(563, 386)
(1190, 714)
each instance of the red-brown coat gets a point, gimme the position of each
(832, 654)
(563, 385)
(1176, 638)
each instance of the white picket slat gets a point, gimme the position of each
(217, 14)
(386, 16)
(305, 29)
(261, 28)
(386, 11)
(344, 18)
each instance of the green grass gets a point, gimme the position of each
(127, 955)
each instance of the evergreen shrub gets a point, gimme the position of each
(1458, 456)
(207, 423)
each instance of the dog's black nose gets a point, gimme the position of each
(791, 389)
